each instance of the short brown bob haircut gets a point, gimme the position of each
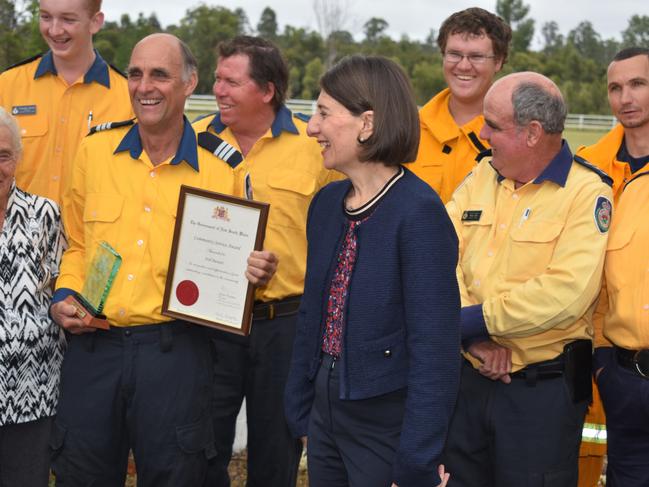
(362, 83)
(478, 21)
(266, 64)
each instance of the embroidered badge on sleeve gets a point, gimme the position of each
(603, 213)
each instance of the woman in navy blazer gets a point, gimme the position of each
(375, 368)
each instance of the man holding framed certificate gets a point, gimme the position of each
(275, 162)
(145, 383)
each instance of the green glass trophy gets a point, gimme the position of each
(99, 279)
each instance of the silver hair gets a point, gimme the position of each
(531, 101)
(7, 120)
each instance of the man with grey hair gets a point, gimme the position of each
(145, 383)
(532, 221)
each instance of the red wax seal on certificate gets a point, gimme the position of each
(187, 292)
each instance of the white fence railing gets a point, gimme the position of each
(201, 104)
(590, 122)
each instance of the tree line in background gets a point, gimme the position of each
(576, 62)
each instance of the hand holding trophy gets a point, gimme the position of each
(99, 279)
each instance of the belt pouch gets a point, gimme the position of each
(578, 357)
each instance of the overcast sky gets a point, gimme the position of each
(412, 17)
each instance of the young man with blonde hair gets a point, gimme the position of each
(59, 95)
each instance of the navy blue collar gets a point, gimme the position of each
(283, 122)
(98, 72)
(187, 150)
(636, 163)
(558, 168)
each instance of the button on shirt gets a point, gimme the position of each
(284, 168)
(530, 267)
(31, 345)
(54, 116)
(447, 152)
(113, 198)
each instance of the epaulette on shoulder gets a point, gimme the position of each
(110, 125)
(201, 117)
(482, 155)
(302, 116)
(25, 61)
(605, 177)
(117, 70)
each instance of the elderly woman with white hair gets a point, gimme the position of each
(31, 344)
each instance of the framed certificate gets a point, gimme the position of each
(213, 238)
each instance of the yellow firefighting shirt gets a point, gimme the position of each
(447, 152)
(54, 116)
(603, 154)
(117, 195)
(531, 258)
(625, 305)
(283, 168)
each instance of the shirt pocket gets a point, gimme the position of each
(100, 215)
(532, 248)
(617, 250)
(475, 225)
(292, 193)
(433, 173)
(32, 125)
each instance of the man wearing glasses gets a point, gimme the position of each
(474, 44)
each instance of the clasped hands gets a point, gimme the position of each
(495, 360)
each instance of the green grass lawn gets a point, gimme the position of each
(577, 138)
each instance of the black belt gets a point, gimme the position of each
(548, 369)
(634, 360)
(269, 310)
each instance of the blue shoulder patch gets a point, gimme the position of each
(605, 177)
(302, 116)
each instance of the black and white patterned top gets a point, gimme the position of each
(31, 344)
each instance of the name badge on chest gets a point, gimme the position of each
(23, 110)
(471, 215)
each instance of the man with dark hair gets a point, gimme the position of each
(621, 339)
(273, 161)
(474, 44)
(532, 224)
(144, 384)
(58, 96)
(625, 149)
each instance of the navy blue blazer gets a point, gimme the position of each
(403, 297)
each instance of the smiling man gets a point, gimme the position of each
(274, 161)
(474, 45)
(145, 384)
(533, 226)
(58, 96)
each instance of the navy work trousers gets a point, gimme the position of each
(625, 395)
(513, 435)
(145, 388)
(254, 367)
